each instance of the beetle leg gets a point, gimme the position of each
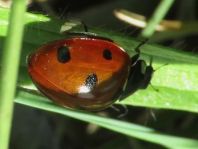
(122, 112)
(135, 58)
(137, 49)
(84, 26)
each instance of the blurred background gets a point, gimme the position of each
(36, 129)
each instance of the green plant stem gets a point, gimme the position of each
(158, 15)
(128, 129)
(10, 63)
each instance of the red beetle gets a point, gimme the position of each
(87, 72)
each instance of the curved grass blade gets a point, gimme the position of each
(129, 129)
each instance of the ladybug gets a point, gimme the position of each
(87, 72)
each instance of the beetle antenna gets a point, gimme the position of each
(161, 66)
(151, 61)
(154, 88)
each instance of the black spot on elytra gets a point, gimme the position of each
(63, 54)
(91, 81)
(107, 54)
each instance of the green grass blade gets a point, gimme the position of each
(10, 63)
(129, 129)
(158, 15)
